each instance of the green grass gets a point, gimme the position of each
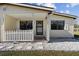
(38, 53)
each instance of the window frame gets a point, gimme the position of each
(57, 26)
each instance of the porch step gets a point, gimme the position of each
(40, 39)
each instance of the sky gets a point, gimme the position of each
(69, 8)
(72, 9)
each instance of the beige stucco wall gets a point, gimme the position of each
(10, 23)
(68, 28)
(22, 10)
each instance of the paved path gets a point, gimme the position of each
(66, 46)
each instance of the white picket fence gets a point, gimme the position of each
(24, 35)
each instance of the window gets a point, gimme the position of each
(26, 25)
(57, 25)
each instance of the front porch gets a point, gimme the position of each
(12, 29)
(23, 36)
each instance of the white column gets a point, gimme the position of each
(33, 19)
(3, 24)
(2, 29)
(48, 29)
(33, 28)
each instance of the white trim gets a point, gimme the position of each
(64, 14)
(49, 9)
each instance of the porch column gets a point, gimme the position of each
(33, 28)
(2, 29)
(3, 24)
(48, 29)
(33, 18)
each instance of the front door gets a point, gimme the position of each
(39, 27)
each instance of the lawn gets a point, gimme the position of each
(38, 53)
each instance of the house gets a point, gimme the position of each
(26, 22)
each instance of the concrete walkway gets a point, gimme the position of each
(65, 46)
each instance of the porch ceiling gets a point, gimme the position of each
(29, 15)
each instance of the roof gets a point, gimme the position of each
(31, 6)
(37, 5)
(66, 15)
(42, 8)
